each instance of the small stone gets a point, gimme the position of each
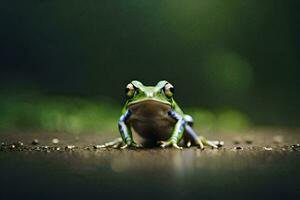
(18, 144)
(35, 142)
(220, 144)
(296, 147)
(57, 148)
(45, 147)
(238, 148)
(37, 149)
(268, 148)
(12, 146)
(277, 139)
(70, 147)
(55, 141)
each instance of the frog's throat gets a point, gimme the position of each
(140, 101)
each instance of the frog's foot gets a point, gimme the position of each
(131, 144)
(169, 143)
(201, 142)
(116, 143)
(218, 143)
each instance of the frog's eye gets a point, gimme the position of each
(169, 90)
(129, 90)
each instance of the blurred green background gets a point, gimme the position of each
(64, 64)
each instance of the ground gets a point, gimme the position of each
(254, 164)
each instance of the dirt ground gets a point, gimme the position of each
(256, 164)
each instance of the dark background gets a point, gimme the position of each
(238, 54)
(64, 67)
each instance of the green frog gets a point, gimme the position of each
(151, 114)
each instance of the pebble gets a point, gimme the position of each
(57, 148)
(268, 148)
(18, 144)
(220, 144)
(35, 142)
(55, 141)
(87, 148)
(296, 147)
(238, 148)
(69, 147)
(37, 149)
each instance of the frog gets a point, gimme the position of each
(152, 114)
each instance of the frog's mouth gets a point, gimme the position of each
(153, 102)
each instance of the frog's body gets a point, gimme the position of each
(150, 121)
(152, 113)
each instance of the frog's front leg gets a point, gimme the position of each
(177, 132)
(126, 132)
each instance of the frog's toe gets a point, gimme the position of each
(124, 146)
(209, 143)
(176, 146)
(212, 145)
(137, 145)
(132, 144)
(117, 146)
(165, 144)
(199, 143)
(216, 143)
(116, 143)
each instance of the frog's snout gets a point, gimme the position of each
(150, 94)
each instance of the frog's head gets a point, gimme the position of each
(136, 92)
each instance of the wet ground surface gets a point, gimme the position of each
(260, 164)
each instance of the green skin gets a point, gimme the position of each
(151, 113)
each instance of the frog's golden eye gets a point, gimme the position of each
(129, 90)
(169, 90)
